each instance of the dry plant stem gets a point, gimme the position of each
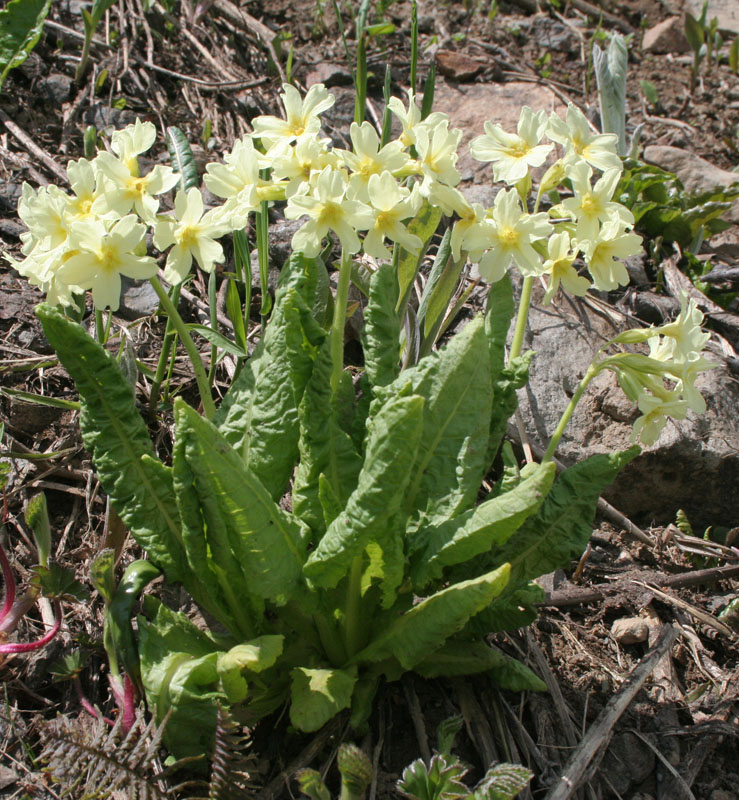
(600, 731)
(34, 149)
(414, 707)
(574, 597)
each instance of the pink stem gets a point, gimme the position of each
(129, 704)
(26, 647)
(9, 584)
(87, 705)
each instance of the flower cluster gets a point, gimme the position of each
(662, 383)
(364, 198)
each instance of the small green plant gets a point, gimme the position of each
(441, 778)
(21, 24)
(734, 56)
(651, 95)
(356, 775)
(610, 75)
(91, 20)
(705, 41)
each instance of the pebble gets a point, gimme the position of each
(667, 36)
(630, 630)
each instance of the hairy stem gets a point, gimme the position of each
(201, 377)
(593, 370)
(337, 328)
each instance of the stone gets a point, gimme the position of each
(471, 105)
(694, 462)
(553, 35)
(726, 11)
(697, 174)
(56, 88)
(138, 299)
(329, 75)
(630, 630)
(667, 36)
(456, 66)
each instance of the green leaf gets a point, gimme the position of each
(464, 657)
(218, 339)
(249, 536)
(259, 416)
(253, 656)
(326, 450)
(503, 782)
(37, 519)
(112, 429)
(382, 327)
(452, 453)
(59, 582)
(423, 629)
(236, 315)
(441, 780)
(734, 56)
(423, 225)
(99, 7)
(392, 443)
(488, 525)
(515, 609)
(318, 695)
(649, 90)
(505, 380)
(610, 73)
(179, 669)
(21, 24)
(183, 161)
(561, 529)
(102, 574)
(693, 33)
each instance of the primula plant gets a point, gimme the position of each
(334, 531)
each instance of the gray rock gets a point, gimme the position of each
(56, 88)
(694, 463)
(727, 12)
(697, 174)
(667, 36)
(553, 35)
(280, 237)
(138, 299)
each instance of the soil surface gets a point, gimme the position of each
(678, 735)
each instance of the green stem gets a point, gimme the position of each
(353, 625)
(164, 355)
(201, 377)
(99, 325)
(330, 640)
(213, 306)
(593, 370)
(337, 328)
(521, 319)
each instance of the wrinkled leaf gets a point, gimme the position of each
(183, 161)
(318, 695)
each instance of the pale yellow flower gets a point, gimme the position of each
(598, 149)
(103, 256)
(513, 154)
(191, 235)
(301, 115)
(560, 269)
(392, 204)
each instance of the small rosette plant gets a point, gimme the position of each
(332, 532)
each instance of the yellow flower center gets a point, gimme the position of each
(519, 150)
(188, 236)
(108, 258)
(508, 236)
(330, 214)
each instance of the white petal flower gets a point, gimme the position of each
(512, 154)
(603, 253)
(592, 205)
(598, 149)
(301, 115)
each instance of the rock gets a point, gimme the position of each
(328, 74)
(138, 299)
(56, 88)
(720, 794)
(10, 194)
(691, 466)
(667, 36)
(727, 12)
(553, 35)
(457, 66)
(280, 237)
(697, 174)
(630, 630)
(471, 105)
